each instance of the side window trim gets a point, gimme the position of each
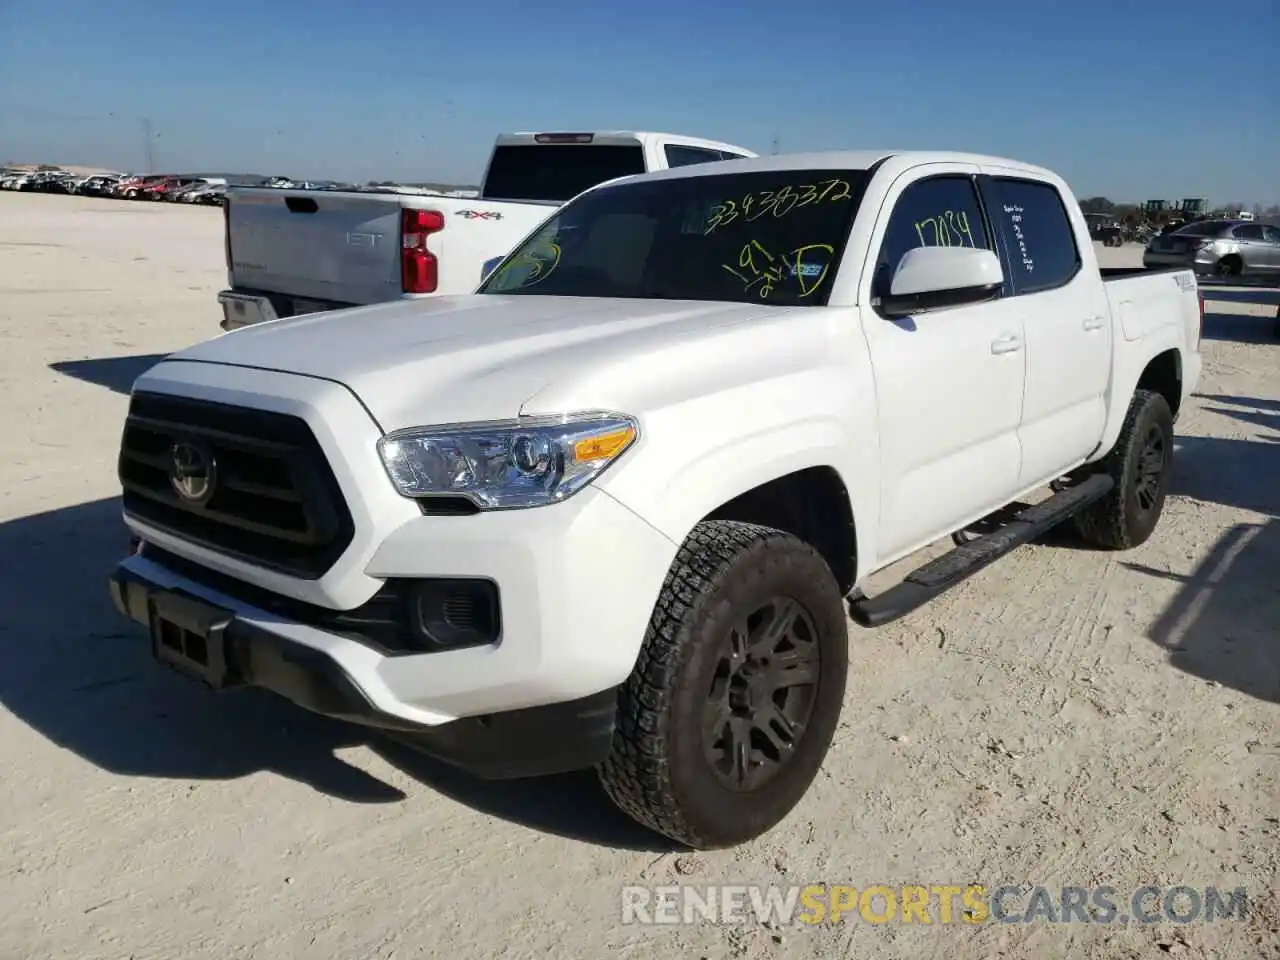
(707, 156)
(987, 197)
(989, 186)
(992, 238)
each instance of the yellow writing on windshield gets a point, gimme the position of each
(810, 264)
(778, 202)
(538, 261)
(948, 229)
(763, 271)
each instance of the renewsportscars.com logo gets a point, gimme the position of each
(927, 904)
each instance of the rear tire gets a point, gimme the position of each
(1139, 463)
(735, 696)
(1229, 266)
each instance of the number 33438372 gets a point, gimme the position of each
(777, 202)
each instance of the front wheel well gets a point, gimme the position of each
(811, 504)
(1163, 375)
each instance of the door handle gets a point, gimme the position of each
(1009, 343)
(1094, 323)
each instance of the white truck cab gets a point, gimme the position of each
(610, 510)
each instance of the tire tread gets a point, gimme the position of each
(1107, 523)
(637, 774)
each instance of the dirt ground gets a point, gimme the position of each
(1066, 717)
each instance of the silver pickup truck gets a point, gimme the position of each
(291, 252)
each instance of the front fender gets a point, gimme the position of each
(678, 486)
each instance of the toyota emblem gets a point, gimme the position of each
(192, 472)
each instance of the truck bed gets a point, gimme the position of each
(1119, 273)
(335, 247)
(1142, 300)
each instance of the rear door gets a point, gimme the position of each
(316, 245)
(1066, 319)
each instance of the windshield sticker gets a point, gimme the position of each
(948, 229)
(753, 206)
(757, 268)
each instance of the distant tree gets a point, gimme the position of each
(1097, 205)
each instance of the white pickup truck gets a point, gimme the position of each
(291, 251)
(609, 509)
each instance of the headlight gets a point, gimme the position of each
(518, 463)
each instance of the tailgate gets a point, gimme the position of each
(342, 247)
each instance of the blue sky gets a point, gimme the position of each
(1133, 100)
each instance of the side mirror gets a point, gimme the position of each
(927, 278)
(489, 267)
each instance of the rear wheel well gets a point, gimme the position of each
(812, 504)
(1163, 375)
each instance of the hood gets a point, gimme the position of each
(478, 357)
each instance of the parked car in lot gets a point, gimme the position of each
(163, 189)
(13, 179)
(131, 188)
(208, 193)
(291, 251)
(608, 510)
(1105, 228)
(1219, 248)
(99, 185)
(48, 181)
(183, 190)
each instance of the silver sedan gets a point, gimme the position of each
(1220, 248)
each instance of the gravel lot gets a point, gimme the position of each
(1068, 717)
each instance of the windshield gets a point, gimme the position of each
(770, 237)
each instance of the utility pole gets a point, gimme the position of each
(776, 141)
(146, 133)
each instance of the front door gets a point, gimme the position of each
(948, 381)
(1067, 324)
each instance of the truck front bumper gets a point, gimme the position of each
(225, 649)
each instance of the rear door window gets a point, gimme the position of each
(681, 156)
(1040, 245)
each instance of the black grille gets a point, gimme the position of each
(274, 502)
(383, 622)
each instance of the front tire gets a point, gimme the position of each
(735, 696)
(1139, 463)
